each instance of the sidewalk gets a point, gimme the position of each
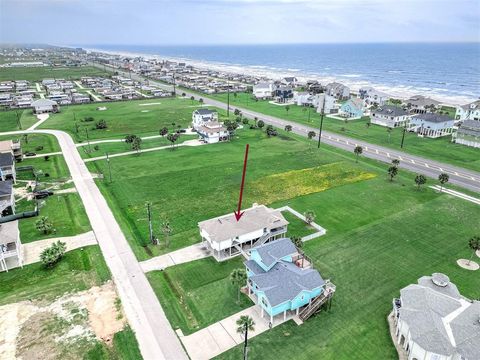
(189, 253)
(456, 194)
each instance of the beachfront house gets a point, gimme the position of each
(325, 102)
(201, 116)
(389, 116)
(7, 198)
(303, 98)
(373, 97)
(420, 104)
(11, 255)
(212, 132)
(12, 147)
(289, 81)
(434, 321)
(338, 91)
(7, 167)
(263, 90)
(468, 112)
(283, 94)
(352, 108)
(282, 281)
(468, 134)
(226, 237)
(431, 125)
(42, 106)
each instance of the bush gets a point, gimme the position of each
(46, 157)
(39, 148)
(102, 124)
(53, 254)
(88, 119)
(96, 148)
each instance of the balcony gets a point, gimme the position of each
(8, 250)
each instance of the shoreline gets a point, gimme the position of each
(402, 91)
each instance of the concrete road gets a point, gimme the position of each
(156, 338)
(468, 179)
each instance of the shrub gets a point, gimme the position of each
(102, 124)
(39, 148)
(88, 119)
(53, 254)
(46, 157)
(96, 148)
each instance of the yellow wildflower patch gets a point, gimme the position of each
(291, 184)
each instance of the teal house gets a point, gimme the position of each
(352, 108)
(281, 280)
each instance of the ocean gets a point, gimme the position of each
(449, 72)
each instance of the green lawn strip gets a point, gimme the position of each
(199, 293)
(32, 142)
(79, 270)
(296, 226)
(55, 169)
(124, 118)
(49, 72)
(441, 149)
(64, 211)
(125, 347)
(370, 264)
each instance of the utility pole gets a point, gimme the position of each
(174, 85)
(321, 120)
(403, 135)
(245, 349)
(150, 229)
(88, 140)
(109, 167)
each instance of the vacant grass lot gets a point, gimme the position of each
(123, 118)
(13, 120)
(49, 72)
(79, 270)
(32, 142)
(296, 226)
(436, 149)
(199, 293)
(185, 187)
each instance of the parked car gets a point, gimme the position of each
(30, 153)
(41, 194)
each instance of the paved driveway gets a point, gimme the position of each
(189, 253)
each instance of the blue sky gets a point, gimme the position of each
(161, 22)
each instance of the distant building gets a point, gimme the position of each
(434, 321)
(420, 104)
(212, 132)
(338, 91)
(326, 102)
(468, 134)
(263, 90)
(283, 94)
(372, 96)
(227, 237)
(468, 112)
(11, 254)
(431, 125)
(41, 106)
(289, 81)
(352, 108)
(201, 116)
(389, 116)
(303, 98)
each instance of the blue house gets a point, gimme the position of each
(352, 108)
(282, 280)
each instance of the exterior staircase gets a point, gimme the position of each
(315, 306)
(262, 239)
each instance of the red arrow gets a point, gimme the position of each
(238, 213)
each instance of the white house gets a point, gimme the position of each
(212, 132)
(337, 90)
(263, 90)
(431, 125)
(41, 106)
(468, 112)
(420, 104)
(227, 237)
(11, 254)
(433, 321)
(468, 134)
(326, 102)
(372, 96)
(289, 81)
(302, 98)
(201, 116)
(389, 116)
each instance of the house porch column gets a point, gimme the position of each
(285, 315)
(262, 311)
(297, 311)
(271, 319)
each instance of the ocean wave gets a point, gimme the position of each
(350, 75)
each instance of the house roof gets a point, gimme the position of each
(422, 101)
(470, 127)
(274, 251)
(439, 319)
(204, 111)
(390, 110)
(6, 187)
(6, 146)
(9, 232)
(263, 85)
(6, 159)
(43, 102)
(255, 218)
(433, 118)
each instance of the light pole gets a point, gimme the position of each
(149, 214)
(174, 89)
(321, 120)
(403, 135)
(109, 168)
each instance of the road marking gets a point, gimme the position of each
(376, 150)
(426, 165)
(400, 158)
(388, 155)
(456, 173)
(413, 161)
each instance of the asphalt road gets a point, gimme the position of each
(157, 340)
(467, 179)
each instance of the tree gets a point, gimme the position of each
(53, 254)
(238, 278)
(392, 172)
(443, 178)
(255, 119)
(44, 225)
(368, 123)
(102, 124)
(260, 124)
(129, 138)
(357, 151)
(167, 231)
(474, 245)
(420, 180)
(183, 94)
(192, 98)
(245, 323)
(287, 108)
(309, 216)
(172, 138)
(163, 131)
(237, 112)
(245, 121)
(270, 130)
(200, 101)
(288, 128)
(46, 157)
(311, 135)
(136, 144)
(395, 162)
(231, 127)
(297, 241)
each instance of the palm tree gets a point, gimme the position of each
(392, 172)
(297, 241)
(474, 244)
(163, 131)
(443, 178)
(245, 323)
(200, 101)
(136, 144)
(287, 108)
(238, 278)
(395, 162)
(309, 216)
(192, 98)
(44, 225)
(420, 180)
(311, 135)
(288, 128)
(357, 151)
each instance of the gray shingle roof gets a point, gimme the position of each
(433, 118)
(43, 102)
(9, 232)
(470, 127)
(275, 250)
(6, 159)
(6, 187)
(204, 111)
(390, 110)
(466, 330)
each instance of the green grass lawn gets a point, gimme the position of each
(199, 293)
(441, 149)
(296, 226)
(50, 72)
(33, 142)
(125, 347)
(79, 270)
(55, 169)
(13, 120)
(123, 118)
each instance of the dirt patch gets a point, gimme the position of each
(468, 264)
(63, 329)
